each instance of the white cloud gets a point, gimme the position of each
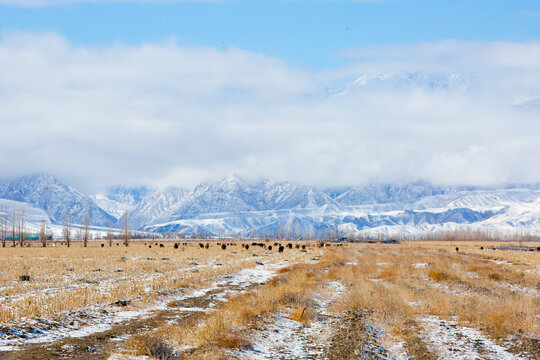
(164, 114)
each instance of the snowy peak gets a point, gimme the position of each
(285, 195)
(401, 80)
(233, 206)
(389, 193)
(112, 207)
(56, 199)
(127, 195)
(159, 204)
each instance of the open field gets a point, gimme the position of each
(424, 300)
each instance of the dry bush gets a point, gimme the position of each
(438, 275)
(303, 315)
(152, 346)
(389, 273)
(495, 276)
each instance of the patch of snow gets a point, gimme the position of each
(452, 341)
(286, 338)
(95, 320)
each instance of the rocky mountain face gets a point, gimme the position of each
(232, 206)
(128, 195)
(55, 199)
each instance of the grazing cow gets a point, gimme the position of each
(161, 245)
(207, 246)
(223, 247)
(281, 248)
(270, 247)
(247, 246)
(102, 245)
(201, 245)
(303, 247)
(457, 249)
(176, 246)
(289, 245)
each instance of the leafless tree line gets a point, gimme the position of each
(13, 227)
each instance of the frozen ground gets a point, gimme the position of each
(450, 341)
(92, 320)
(290, 339)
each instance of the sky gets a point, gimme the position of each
(156, 93)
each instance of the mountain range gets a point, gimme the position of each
(232, 206)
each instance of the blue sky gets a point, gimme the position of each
(303, 33)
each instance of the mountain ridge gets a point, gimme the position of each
(232, 206)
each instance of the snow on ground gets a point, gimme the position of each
(451, 341)
(286, 338)
(95, 319)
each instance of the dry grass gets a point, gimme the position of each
(152, 346)
(492, 290)
(303, 315)
(402, 282)
(395, 284)
(66, 279)
(290, 291)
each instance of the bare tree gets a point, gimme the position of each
(3, 225)
(21, 228)
(13, 226)
(67, 229)
(110, 235)
(126, 229)
(43, 233)
(86, 232)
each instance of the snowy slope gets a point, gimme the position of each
(56, 199)
(112, 207)
(127, 195)
(159, 204)
(232, 206)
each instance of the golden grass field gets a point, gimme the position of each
(398, 288)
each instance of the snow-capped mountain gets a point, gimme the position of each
(232, 206)
(112, 207)
(120, 199)
(160, 204)
(56, 199)
(128, 195)
(401, 80)
(389, 193)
